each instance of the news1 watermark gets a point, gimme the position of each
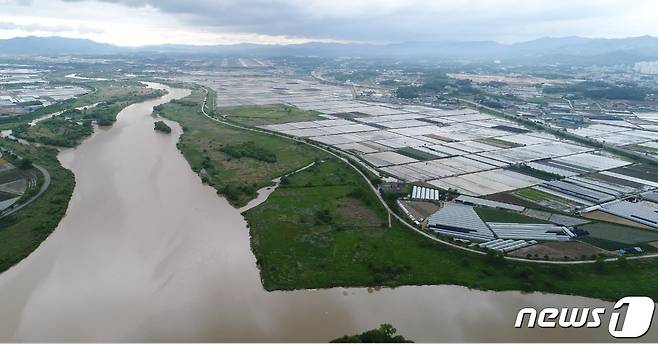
(631, 317)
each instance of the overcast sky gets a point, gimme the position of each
(140, 22)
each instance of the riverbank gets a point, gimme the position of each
(318, 232)
(22, 232)
(73, 125)
(323, 229)
(235, 162)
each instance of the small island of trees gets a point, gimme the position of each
(162, 126)
(386, 333)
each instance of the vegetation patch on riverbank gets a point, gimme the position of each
(386, 333)
(161, 127)
(235, 162)
(55, 131)
(22, 232)
(249, 149)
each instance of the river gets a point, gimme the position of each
(146, 252)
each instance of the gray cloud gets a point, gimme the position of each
(207, 21)
(381, 20)
(35, 27)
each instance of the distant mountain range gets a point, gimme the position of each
(545, 50)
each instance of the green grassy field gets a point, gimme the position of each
(268, 114)
(22, 232)
(645, 149)
(238, 179)
(536, 195)
(499, 215)
(619, 233)
(55, 131)
(416, 154)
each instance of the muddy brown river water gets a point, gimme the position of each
(146, 252)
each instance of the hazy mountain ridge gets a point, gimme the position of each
(549, 49)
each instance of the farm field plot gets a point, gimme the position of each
(618, 233)
(269, 114)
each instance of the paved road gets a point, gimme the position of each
(44, 187)
(399, 218)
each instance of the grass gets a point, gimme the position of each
(204, 144)
(642, 171)
(268, 114)
(506, 216)
(55, 131)
(22, 232)
(618, 233)
(538, 196)
(533, 172)
(499, 143)
(645, 149)
(416, 154)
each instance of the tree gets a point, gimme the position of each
(25, 164)
(384, 334)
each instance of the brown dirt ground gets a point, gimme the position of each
(557, 250)
(354, 212)
(421, 210)
(599, 215)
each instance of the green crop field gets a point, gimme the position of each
(538, 196)
(268, 114)
(619, 233)
(499, 215)
(416, 154)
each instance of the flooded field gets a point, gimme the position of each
(147, 252)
